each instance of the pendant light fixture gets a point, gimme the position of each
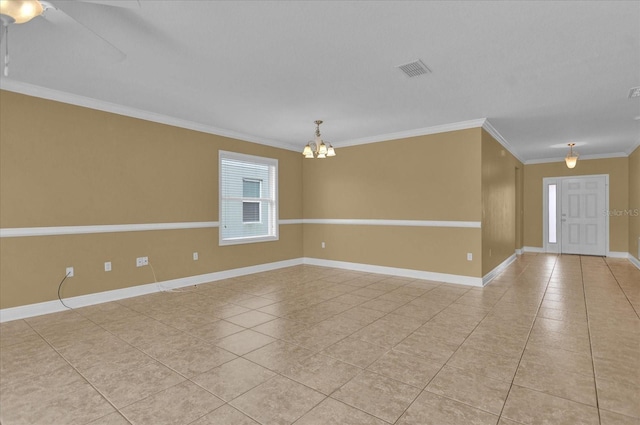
(572, 157)
(19, 11)
(16, 12)
(317, 148)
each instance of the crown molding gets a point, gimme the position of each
(580, 158)
(114, 108)
(462, 125)
(11, 85)
(87, 102)
(633, 147)
(496, 135)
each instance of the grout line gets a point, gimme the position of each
(528, 337)
(304, 280)
(79, 373)
(452, 354)
(621, 288)
(593, 366)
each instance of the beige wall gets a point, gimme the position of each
(499, 203)
(431, 249)
(520, 206)
(73, 166)
(618, 171)
(634, 202)
(432, 177)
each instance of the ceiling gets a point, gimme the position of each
(543, 74)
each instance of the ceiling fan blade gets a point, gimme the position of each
(61, 43)
(86, 15)
(127, 4)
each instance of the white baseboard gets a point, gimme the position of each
(30, 310)
(615, 254)
(611, 254)
(519, 251)
(497, 270)
(533, 249)
(21, 312)
(634, 261)
(394, 271)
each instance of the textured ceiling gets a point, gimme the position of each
(544, 74)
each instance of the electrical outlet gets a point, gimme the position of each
(69, 271)
(195, 256)
(107, 266)
(323, 245)
(142, 261)
(469, 256)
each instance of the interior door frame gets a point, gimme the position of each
(546, 181)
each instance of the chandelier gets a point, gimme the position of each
(317, 148)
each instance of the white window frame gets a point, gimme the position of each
(270, 202)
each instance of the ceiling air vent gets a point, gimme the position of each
(634, 92)
(414, 69)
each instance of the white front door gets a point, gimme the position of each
(583, 215)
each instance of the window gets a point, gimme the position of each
(248, 199)
(552, 237)
(251, 209)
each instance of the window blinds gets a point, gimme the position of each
(248, 198)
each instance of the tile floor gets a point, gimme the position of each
(552, 340)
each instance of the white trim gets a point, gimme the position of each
(110, 228)
(273, 224)
(31, 310)
(633, 147)
(486, 279)
(519, 251)
(463, 125)
(290, 221)
(377, 222)
(127, 111)
(15, 313)
(394, 271)
(535, 249)
(634, 261)
(114, 108)
(580, 158)
(548, 246)
(496, 135)
(617, 254)
(610, 254)
(15, 232)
